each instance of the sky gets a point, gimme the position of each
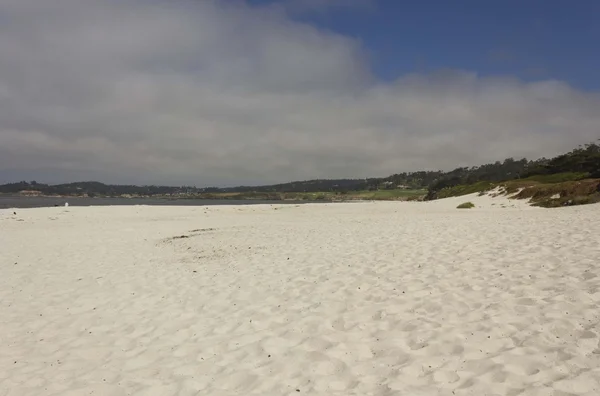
(231, 92)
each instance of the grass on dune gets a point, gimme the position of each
(562, 194)
(465, 189)
(511, 186)
(561, 189)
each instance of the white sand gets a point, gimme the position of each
(334, 299)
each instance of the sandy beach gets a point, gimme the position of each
(368, 298)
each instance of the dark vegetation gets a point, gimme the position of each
(578, 164)
(568, 179)
(91, 189)
(574, 176)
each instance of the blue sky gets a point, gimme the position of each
(531, 40)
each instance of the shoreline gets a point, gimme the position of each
(20, 202)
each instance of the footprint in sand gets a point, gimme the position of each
(526, 301)
(445, 377)
(330, 367)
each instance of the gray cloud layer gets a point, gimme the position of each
(212, 92)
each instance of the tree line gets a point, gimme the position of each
(584, 160)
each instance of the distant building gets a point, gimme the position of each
(30, 193)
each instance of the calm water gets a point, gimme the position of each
(43, 202)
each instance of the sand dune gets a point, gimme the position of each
(333, 299)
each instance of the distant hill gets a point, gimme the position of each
(90, 189)
(584, 161)
(418, 180)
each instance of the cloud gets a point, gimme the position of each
(203, 93)
(320, 6)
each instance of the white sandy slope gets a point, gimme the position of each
(392, 298)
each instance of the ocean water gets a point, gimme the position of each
(43, 202)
